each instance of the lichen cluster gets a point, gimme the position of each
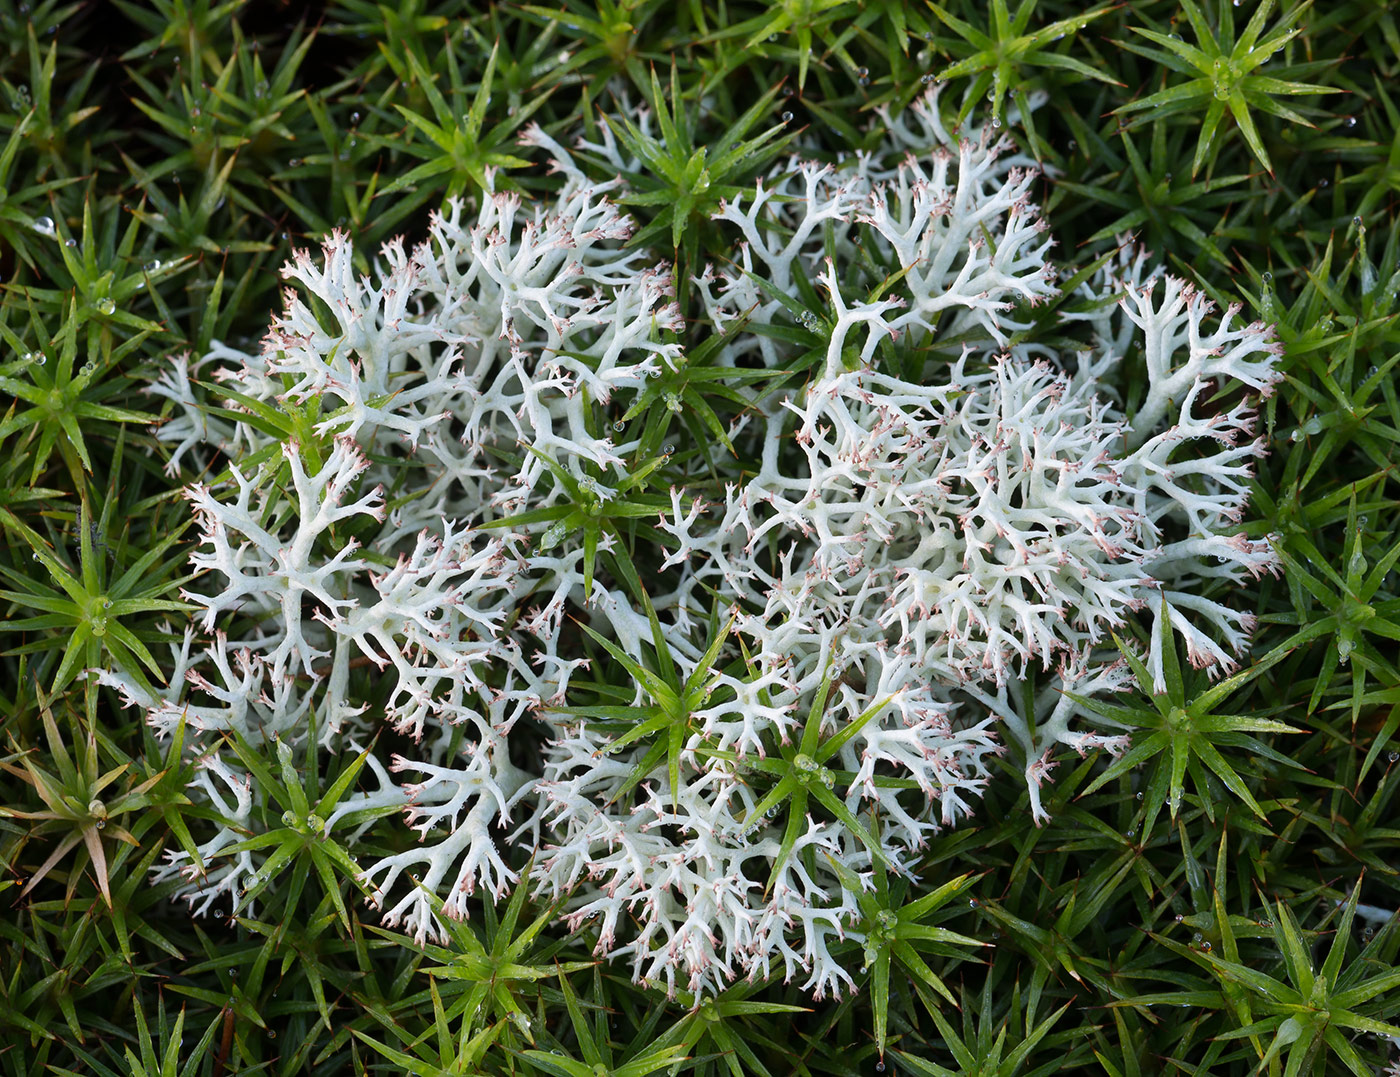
(943, 505)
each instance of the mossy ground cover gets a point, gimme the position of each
(1217, 901)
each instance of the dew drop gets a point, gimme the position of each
(1394, 757)
(1139, 796)
(354, 119)
(1324, 182)
(619, 426)
(1206, 946)
(1350, 121)
(787, 117)
(44, 226)
(295, 162)
(668, 450)
(926, 79)
(107, 306)
(70, 243)
(862, 72)
(1268, 277)
(102, 824)
(196, 112)
(1180, 917)
(1356, 221)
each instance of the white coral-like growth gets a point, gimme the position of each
(461, 368)
(940, 511)
(999, 512)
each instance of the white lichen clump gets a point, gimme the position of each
(941, 509)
